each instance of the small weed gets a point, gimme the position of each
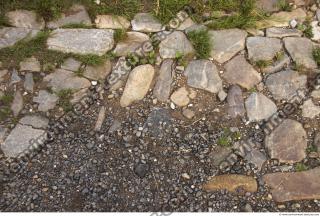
(64, 99)
(284, 5)
(316, 55)
(5, 112)
(263, 63)
(306, 29)
(311, 148)
(6, 99)
(91, 59)
(298, 67)
(224, 141)
(252, 90)
(236, 135)
(279, 56)
(201, 42)
(77, 25)
(299, 167)
(120, 35)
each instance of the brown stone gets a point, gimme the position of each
(294, 186)
(232, 183)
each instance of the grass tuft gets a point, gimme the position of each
(299, 167)
(201, 42)
(316, 55)
(120, 35)
(263, 63)
(284, 5)
(64, 99)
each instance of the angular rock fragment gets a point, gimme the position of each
(132, 43)
(180, 97)
(45, 100)
(17, 103)
(235, 102)
(10, 35)
(99, 72)
(259, 107)
(263, 48)
(309, 109)
(203, 74)
(287, 142)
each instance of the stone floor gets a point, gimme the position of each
(238, 131)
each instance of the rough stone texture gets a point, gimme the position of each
(71, 64)
(287, 142)
(2, 74)
(309, 109)
(63, 79)
(285, 84)
(189, 114)
(28, 82)
(30, 64)
(111, 22)
(21, 138)
(25, 19)
(98, 72)
(17, 103)
(239, 71)
(186, 24)
(282, 32)
(203, 74)
(164, 81)
(235, 102)
(316, 94)
(81, 41)
(256, 157)
(294, 186)
(10, 35)
(100, 119)
(180, 97)
(315, 31)
(158, 122)
(35, 121)
(268, 5)
(15, 78)
(259, 107)
(316, 141)
(176, 42)
(137, 85)
(77, 14)
(45, 100)
(145, 22)
(300, 49)
(196, 27)
(226, 43)
(277, 65)
(262, 48)
(131, 44)
(232, 183)
(282, 18)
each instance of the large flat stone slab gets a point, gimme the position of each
(203, 74)
(288, 142)
(263, 48)
(63, 80)
(11, 35)
(227, 43)
(300, 49)
(294, 186)
(81, 41)
(239, 71)
(282, 32)
(25, 19)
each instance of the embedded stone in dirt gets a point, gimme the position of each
(99, 72)
(227, 43)
(28, 82)
(203, 74)
(286, 84)
(71, 64)
(132, 43)
(141, 170)
(145, 22)
(309, 109)
(30, 64)
(259, 107)
(62, 79)
(180, 97)
(263, 48)
(282, 32)
(158, 122)
(10, 35)
(235, 102)
(175, 43)
(137, 85)
(300, 49)
(232, 183)
(28, 133)
(81, 41)
(17, 103)
(287, 142)
(294, 186)
(25, 19)
(164, 81)
(77, 14)
(239, 71)
(45, 100)
(112, 22)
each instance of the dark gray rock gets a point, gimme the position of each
(17, 103)
(263, 48)
(235, 102)
(45, 100)
(28, 82)
(158, 121)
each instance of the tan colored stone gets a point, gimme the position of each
(112, 22)
(232, 183)
(294, 186)
(180, 97)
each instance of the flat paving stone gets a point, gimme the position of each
(81, 41)
(25, 19)
(11, 35)
(263, 48)
(112, 22)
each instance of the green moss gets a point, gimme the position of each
(316, 55)
(201, 42)
(284, 5)
(77, 25)
(299, 167)
(120, 35)
(224, 141)
(5, 112)
(91, 59)
(64, 99)
(6, 99)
